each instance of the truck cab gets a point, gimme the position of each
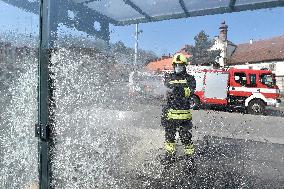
(253, 89)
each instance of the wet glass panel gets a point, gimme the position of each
(244, 2)
(202, 5)
(81, 1)
(18, 95)
(165, 7)
(110, 97)
(111, 9)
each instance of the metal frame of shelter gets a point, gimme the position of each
(85, 15)
(53, 12)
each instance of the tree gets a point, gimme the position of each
(201, 53)
(144, 57)
(119, 47)
(125, 55)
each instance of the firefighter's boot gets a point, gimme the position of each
(189, 150)
(188, 157)
(169, 157)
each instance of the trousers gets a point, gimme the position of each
(183, 127)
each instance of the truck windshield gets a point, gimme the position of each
(268, 80)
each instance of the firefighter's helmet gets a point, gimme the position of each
(179, 58)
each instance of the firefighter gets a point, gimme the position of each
(176, 116)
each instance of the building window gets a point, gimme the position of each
(272, 66)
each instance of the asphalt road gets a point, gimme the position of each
(234, 150)
(118, 144)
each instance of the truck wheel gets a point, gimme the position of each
(195, 103)
(256, 107)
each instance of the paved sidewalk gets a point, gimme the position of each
(281, 107)
(282, 102)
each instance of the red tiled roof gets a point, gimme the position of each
(259, 51)
(163, 64)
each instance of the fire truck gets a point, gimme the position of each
(252, 90)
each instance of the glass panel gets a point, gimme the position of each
(18, 94)
(119, 101)
(268, 79)
(80, 1)
(244, 2)
(165, 7)
(110, 8)
(203, 4)
(240, 78)
(252, 80)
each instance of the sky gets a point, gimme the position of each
(166, 36)
(169, 36)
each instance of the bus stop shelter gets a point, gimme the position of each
(82, 15)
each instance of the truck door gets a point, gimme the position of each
(216, 87)
(239, 84)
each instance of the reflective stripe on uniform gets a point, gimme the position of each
(179, 114)
(189, 149)
(183, 81)
(170, 147)
(187, 92)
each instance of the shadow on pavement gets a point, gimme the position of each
(222, 163)
(276, 112)
(270, 111)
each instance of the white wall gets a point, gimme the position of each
(220, 45)
(191, 68)
(277, 66)
(279, 72)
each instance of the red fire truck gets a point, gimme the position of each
(251, 89)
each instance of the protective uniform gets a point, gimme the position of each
(177, 111)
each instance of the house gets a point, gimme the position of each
(222, 43)
(262, 54)
(164, 64)
(11, 53)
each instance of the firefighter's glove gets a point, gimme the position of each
(187, 92)
(176, 92)
(169, 93)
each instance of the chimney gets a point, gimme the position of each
(223, 31)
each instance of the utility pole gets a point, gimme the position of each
(136, 44)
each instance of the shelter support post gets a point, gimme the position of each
(45, 127)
